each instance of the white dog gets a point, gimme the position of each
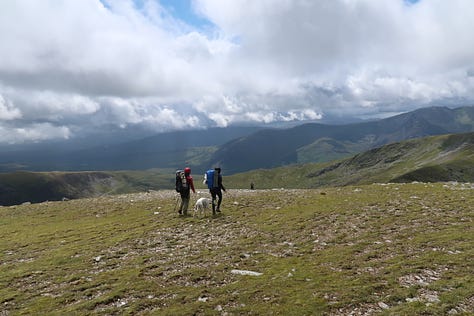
(202, 205)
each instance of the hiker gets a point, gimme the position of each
(216, 191)
(184, 185)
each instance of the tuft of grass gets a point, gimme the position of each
(394, 249)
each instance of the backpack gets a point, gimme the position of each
(211, 178)
(181, 184)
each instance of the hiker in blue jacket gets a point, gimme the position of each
(216, 191)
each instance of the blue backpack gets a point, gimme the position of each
(211, 179)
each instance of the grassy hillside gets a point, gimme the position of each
(397, 249)
(429, 159)
(20, 187)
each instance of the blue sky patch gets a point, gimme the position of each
(183, 10)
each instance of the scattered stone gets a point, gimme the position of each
(382, 305)
(430, 297)
(121, 303)
(245, 272)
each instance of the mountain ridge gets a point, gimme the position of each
(438, 158)
(239, 149)
(431, 159)
(274, 148)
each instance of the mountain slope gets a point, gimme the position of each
(313, 142)
(166, 150)
(20, 187)
(430, 159)
(400, 249)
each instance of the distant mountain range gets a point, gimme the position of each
(430, 159)
(318, 143)
(165, 150)
(238, 149)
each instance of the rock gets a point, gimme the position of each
(246, 272)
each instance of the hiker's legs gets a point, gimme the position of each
(180, 211)
(183, 208)
(185, 204)
(213, 194)
(219, 194)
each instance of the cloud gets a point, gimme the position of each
(70, 66)
(7, 111)
(33, 133)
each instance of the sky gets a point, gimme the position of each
(72, 67)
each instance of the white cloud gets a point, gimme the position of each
(78, 64)
(123, 112)
(7, 111)
(34, 132)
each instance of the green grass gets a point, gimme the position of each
(397, 249)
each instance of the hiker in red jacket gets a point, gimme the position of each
(185, 192)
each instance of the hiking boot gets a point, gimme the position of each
(179, 212)
(218, 210)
